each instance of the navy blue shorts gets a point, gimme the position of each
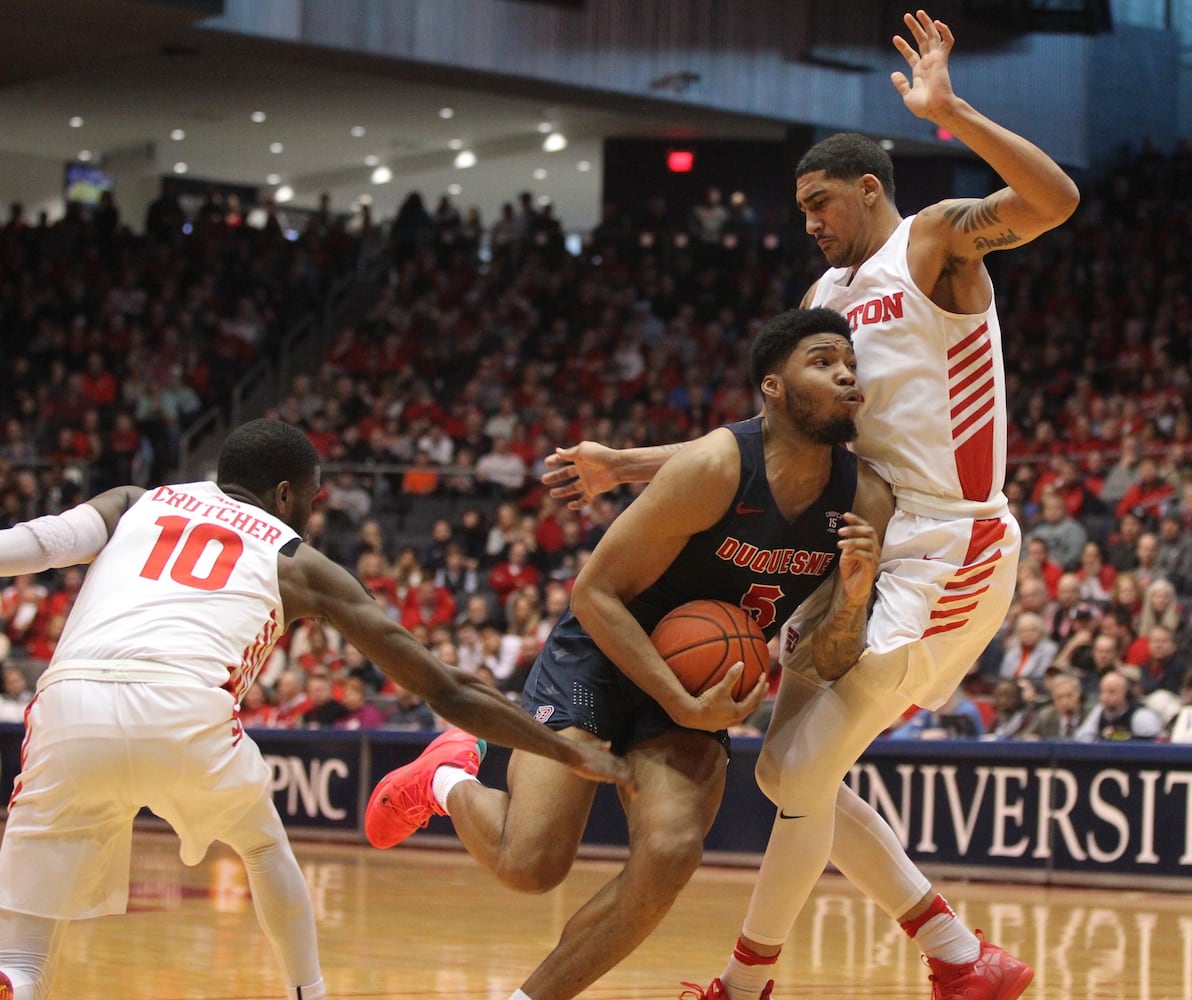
(572, 683)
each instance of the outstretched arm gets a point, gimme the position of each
(585, 470)
(1039, 196)
(68, 539)
(315, 587)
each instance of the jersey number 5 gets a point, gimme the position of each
(197, 539)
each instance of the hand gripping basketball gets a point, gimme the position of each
(702, 639)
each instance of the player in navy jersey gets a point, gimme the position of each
(782, 484)
(918, 296)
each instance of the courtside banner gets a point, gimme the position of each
(1051, 812)
(316, 776)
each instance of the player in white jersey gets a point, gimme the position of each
(189, 588)
(920, 302)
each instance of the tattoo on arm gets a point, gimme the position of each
(838, 642)
(973, 215)
(983, 217)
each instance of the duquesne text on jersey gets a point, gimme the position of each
(799, 561)
(241, 520)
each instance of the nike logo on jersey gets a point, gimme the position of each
(927, 558)
(743, 509)
(783, 815)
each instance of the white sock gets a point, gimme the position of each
(518, 995)
(945, 938)
(747, 972)
(315, 991)
(445, 779)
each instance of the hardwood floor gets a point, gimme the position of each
(419, 923)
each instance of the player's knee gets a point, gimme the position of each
(534, 872)
(768, 774)
(671, 856)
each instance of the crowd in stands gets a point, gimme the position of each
(485, 348)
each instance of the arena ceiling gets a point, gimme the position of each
(130, 75)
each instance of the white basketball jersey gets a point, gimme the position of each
(188, 579)
(934, 418)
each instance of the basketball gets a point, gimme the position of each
(700, 640)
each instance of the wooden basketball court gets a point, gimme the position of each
(421, 923)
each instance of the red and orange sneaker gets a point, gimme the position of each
(5, 987)
(995, 975)
(403, 800)
(716, 991)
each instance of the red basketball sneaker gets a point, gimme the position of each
(716, 991)
(5, 987)
(995, 975)
(403, 800)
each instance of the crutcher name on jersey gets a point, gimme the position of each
(240, 520)
(773, 561)
(878, 310)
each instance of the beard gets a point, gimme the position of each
(821, 430)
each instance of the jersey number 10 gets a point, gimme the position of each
(173, 529)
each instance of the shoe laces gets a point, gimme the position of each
(408, 802)
(692, 991)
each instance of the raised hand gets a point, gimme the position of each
(579, 473)
(929, 91)
(860, 555)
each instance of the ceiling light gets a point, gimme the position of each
(545, 127)
(180, 167)
(177, 135)
(273, 179)
(371, 160)
(466, 158)
(539, 174)
(554, 142)
(84, 156)
(455, 144)
(382, 175)
(76, 122)
(543, 200)
(455, 190)
(276, 147)
(257, 117)
(446, 113)
(283, 194)
(583, 166)
(887, 144)
(357, 131)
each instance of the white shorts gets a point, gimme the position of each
(944, 589)
(95, 753)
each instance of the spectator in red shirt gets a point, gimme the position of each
(1147, 496)
(1038, 555)
(99, 385)
(514, 571)
(428, 605)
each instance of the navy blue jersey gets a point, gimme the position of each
(752, 557)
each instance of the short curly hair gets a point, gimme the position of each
(848, 156)
(782, 334)
(262, 453)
